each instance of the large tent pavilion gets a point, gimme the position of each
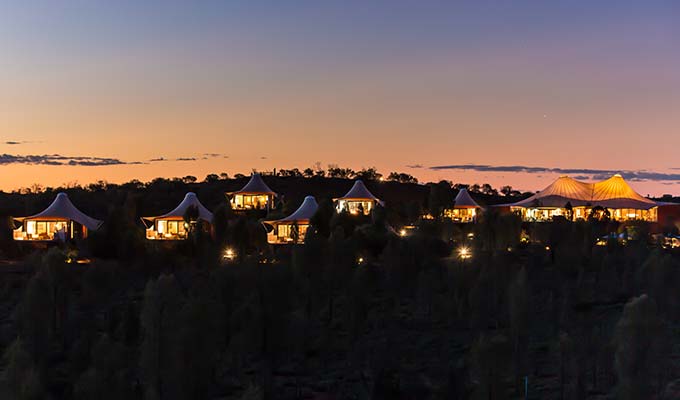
(464, 209)
(58, 222)
(172, 225)
(359, 200)
(255, 195)
(293, 228)
(572, 199)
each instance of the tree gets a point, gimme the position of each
(506, 190)
(21, 379)
(211, 178)
(440, 198)
(491, 360)
(162, 301)
(321, 220)
(199, 339)
(642, 347)
(106, 378)
(295, 232)
(221, 217)
(189, 179)
(518, 304)
(489, 190)
(369, 174)
(401, 177)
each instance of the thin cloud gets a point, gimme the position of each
(582, 173)
(18, 142)
(57, 159)
(204, 156)
(415, 166)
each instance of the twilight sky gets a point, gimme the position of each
(471, 92)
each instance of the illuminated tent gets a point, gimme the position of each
(171, 225)
(284, 230)
(612, 196)
(359, 200)
(559, 193)
(464, 200)
(254, 195)
(616, 193)
(464, 207)
(58, 221)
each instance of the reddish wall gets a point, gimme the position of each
(669, 215)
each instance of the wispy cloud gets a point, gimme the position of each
(57, 159)
(581, 173)
(204, 156)
(415, 166)
(18, 142)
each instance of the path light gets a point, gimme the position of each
(402, 232)
(229, 254)
(464, 253)
(360, 261)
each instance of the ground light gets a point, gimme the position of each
(402, 232)
(229, 254)
(464, 253)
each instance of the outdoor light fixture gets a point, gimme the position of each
(402, 232)
(229, 254)
(464, 253)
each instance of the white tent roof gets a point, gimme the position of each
(359, 192)
(304, 213)
(255, 186)
(190, 199)
(611, 193)
(464, 200)
(616, 193)
(62, 208)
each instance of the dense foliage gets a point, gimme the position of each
(357, 311)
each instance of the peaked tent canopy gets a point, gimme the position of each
(611, 193)
(303, 214)
(190, 199)
(62, 208)
(359, 192)
(616, 193)
(255, 186)
(564, 190)
(464, 200)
